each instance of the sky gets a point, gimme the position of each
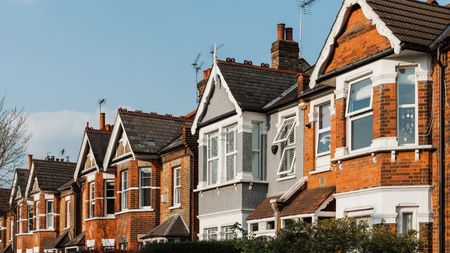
(58, 58)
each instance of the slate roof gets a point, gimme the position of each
(52, 174)
(172, 227)
(253, 86)
(22, 179)
(288, 96)
(77, 241)
(148, 133)
(99, 143)
(308, 201)
(413, 22)
(175, 143)
(4, 200)
(263, 210)
(66, 185)
(60, 241)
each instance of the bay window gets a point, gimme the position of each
(286, 139)
(323, 135)
(124, 190)
(406, 100)
(145, 190)
(91, 199)
(49, 214)
(109, 197)
(359, 114)
(30, 217)
(212, 157)
(177, 186)
(257, 150)
(231, 152)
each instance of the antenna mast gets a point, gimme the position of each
(214, 50)
(197, 67)
(100, 102)
(305, 7)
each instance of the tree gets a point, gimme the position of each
(14, 140)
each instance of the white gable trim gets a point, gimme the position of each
(81, 156)
(208, 93)
(14, 189)
(30, 179)
(113, 140)
(338, 26)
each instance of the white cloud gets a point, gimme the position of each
(53, 131)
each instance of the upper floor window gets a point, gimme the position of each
(231, 152)
(49, 214)
(91, 199)
(36, 207)
(67, 213)
(109, 197)
(406, 93)
(124, 190)
(213, 157)
(30, 217)
(359, 114)
(176, 186)
(145, 190)
(257, 150)
(286, 138)
(323, 138)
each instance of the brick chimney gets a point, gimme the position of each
(102, 121)
(285, 51)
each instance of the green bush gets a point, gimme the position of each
(191, 247)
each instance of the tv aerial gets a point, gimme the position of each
(197, 66)
(214, 49)
(100, 102)
(305, 9)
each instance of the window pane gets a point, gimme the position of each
(212, 147)
(110, 206)
(285, 130)
(146, 177)
(256, 136)
(146, 197)
(212, 167)
(407, 222)
(324, 116)
(360, 94)
(362, 132)
(110, 189)
(407, 126)
(231, 163)
(324, 141)
(231, 147)
(287, 160)
(406, 93)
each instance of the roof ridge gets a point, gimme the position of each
(153, 115)
(53, 161)
(93, 130)
(249, 64)
(428, 4)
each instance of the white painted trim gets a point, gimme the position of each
(134, 211)
(81, 157)
(215, 214)
(100, 218)
(207, 96)
(338, 26)
(382, 188)
(30, 179)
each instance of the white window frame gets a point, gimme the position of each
(227, 230)
(323, 130)
(19, 220)
(415, 106)
(124, 190)
(358, 114)
(67, 213)
(360, 213)
(288, 146)
(49, 216)
(209, 136)
(212, 231)
(292, 118)
(406, 209)
(147, 187)
(30, 218)
(91, 199)
(259, 174)
(230, 129)
(36, 207)
(176, 187)
(108, 198)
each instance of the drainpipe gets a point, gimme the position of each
(442, 65)
(274, 204)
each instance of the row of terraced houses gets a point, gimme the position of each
(363, 133)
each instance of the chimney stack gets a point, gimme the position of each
(285, 51)
(30, 161)
(102, 121)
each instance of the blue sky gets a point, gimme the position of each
(57, 58)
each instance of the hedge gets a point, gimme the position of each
(191, 247)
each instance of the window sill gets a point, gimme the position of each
(175, 207)
(286, 178)
(233, 182)
(100, 218)
(134, 211)
(356, 154)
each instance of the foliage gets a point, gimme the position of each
(191, 247)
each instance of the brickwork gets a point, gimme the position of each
(385, 111)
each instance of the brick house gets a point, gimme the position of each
(4, 209)
(152, 157)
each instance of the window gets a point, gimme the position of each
(254, 227)
(124, 191)
(286, 138)
(30, 217)
(231, 152)
(406, 97)
(123, 246)
(211, 234)
(228, 233)
(91, 199)
(176, 186)
(213, 157)
(270, 225)
(406, 220)
(256, 150)
(67, 213)
(109, 197)
(49, 214)
(359, 114)
(36, 207)
(323, 138)
(145, 190)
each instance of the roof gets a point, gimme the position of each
(148, 133)
(253, 86)
(52, 174)
(99, 143)
(172, 227)
(7, 249)
(175, 143)
(413, 22)
(263, 210)
(60, 241)
(22, 179)
(308, 201)
(4, 200)
(77, 241)
(66, 185)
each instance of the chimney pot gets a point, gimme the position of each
(280, 31)
(289, 33)
(205, 74)
(102, 121)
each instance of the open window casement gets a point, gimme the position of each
(287, 162)
(285, 130)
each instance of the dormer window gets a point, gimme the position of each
(359, 114)
(286, 139)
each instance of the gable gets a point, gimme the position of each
(359, 39)
(122, 146)
(89, 159)
(219, 104)
(35, 186)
